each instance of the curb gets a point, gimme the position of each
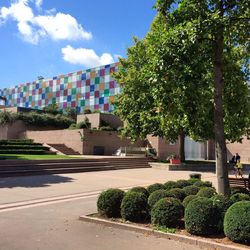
(203, 243)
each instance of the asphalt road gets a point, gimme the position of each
(41, 213)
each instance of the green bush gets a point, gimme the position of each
(83, 124)
(109, 202)
(222, 203)
(240, 197)
(193, 180)
(191, 190)
(6, 118)
(140, 190)
(177, 193)
(188, 199)
(156, 196)
(207, 192)
(167, 212)
(170, 184)
(23, 151)
(202, 184)
(235, 190)
(201, 217)
(72, 126)
(154, 187)
(107, 128)
(236, 222)
(183, 183)
(134, 207)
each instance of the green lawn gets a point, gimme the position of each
(33, 157)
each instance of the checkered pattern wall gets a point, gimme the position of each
(89, 89)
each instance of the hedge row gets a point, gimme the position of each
(18, 141)
(22, 151)
(25, 147)
(206, 212)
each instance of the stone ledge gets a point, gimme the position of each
(183, 167)
(203, 243)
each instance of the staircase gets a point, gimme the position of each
(64, 149)
(9, 168)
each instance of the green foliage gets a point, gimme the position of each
(188, 199)
(191, 190)
(72, 126)
(134, 207)
(6, 118)
(222, 203)
(167, 212)
(201, 217)
(235, 190)
(170, 184)
(203, 184)
(156, 196)
(44, 120)
(193, 180)
(154, 187)
(107, 128)
(240, 197)
(87, 111)
(236, 222)
(189, 75)
(207, 192)
(53, 109)
(183, 183)
(70, 113)
(140, 190)
(177, 193)
(109, 202)
(83, 124)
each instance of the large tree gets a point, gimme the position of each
(189, 75)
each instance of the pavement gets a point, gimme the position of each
(42, 212)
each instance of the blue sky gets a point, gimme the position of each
(51, 37)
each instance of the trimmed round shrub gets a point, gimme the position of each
(156, 196)
(154, 187)
(134, 207)
(202, 184)
(191, 190)
(177, 193)
(236, 222)
(207, 192)
(201, 217)
(109, 202)
(183, 183)
(170, 184)
(222, 203)
(167, 212)
(235, 190)
(193, 180)
(239, 197)
(188, 199)
(140, 190)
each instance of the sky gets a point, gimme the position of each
(51, 37)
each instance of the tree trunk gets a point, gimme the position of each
(182, 147)
(220, 143)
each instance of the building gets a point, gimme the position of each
(85, 89)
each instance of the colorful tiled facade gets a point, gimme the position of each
(93, 89)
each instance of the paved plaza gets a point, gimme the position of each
(42, 212)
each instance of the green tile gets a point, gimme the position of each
(97, 80)
(106, 92)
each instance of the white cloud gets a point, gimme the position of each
(86, 57)
(57, 26)
(61, 26)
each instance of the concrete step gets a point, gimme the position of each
(57, 170)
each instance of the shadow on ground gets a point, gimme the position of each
(33, 181)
